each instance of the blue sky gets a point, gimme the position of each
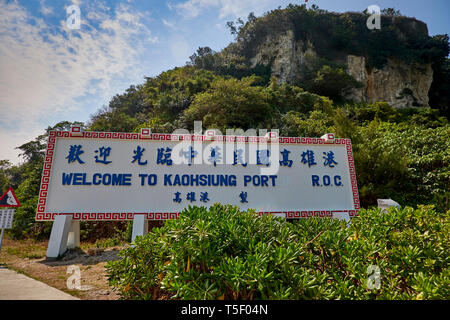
(50, 73)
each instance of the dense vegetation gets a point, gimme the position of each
(222, 253)
(403, 154)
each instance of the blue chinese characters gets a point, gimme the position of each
(138, 153)
(188, 184)
(103, 153)
(74, 154)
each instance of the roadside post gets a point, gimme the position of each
(7, 200)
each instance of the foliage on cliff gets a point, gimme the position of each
(339, 34)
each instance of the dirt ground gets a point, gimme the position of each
(28, 257)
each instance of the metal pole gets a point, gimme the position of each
(1, 239)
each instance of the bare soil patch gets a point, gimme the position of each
(28, 257)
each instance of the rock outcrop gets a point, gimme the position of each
(398, 83)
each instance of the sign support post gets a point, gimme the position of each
(140, 226)
(65, 235)
(73, 240)
(1, 239)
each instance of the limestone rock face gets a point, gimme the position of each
(397, 83)
(279, 51)
(285, 55)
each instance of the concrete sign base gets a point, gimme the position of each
(65, 235)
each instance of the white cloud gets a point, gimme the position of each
(45, 69)
(11, 139)
(192, 8)
(227, 8)
(46, 10)
(168, 24)
(237, 8)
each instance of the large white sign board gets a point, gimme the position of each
(112, 176)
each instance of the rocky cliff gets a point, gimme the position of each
(399, 84)
(290, 50)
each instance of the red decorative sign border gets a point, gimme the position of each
(41, 215)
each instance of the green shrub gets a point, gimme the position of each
(230, 103)
(222, 253)
(334, 83)
(92, 231)
(294, 124)
(407, 163)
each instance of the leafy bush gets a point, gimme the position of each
(294, 124)
(399, 154)
(404, 162)
(222, 253)
(230, 103)
(285, 98)
(332, 82)
(91, 231)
